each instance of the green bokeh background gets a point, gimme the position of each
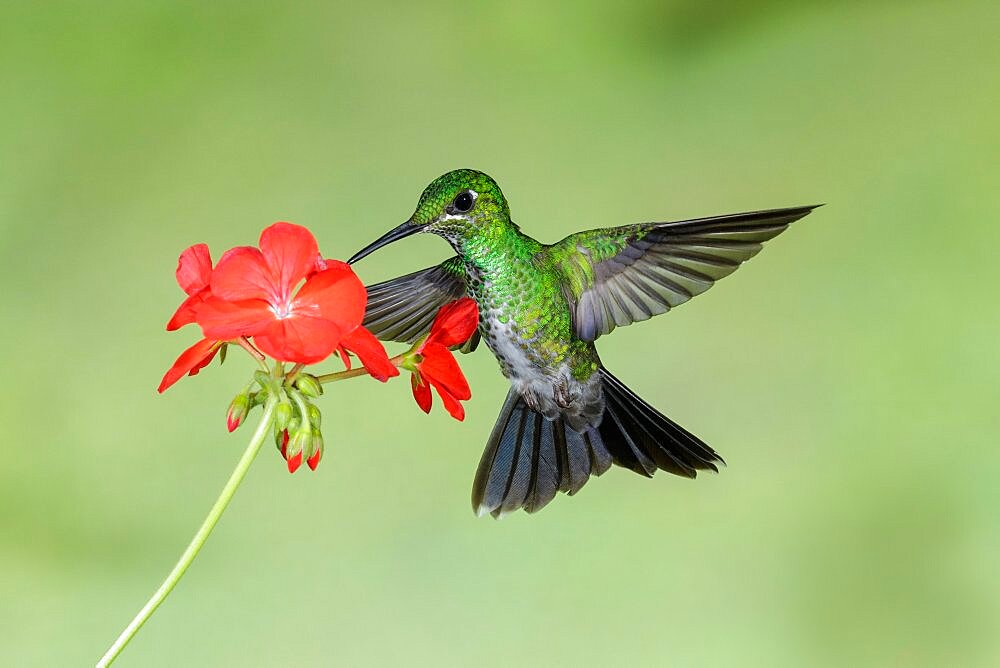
(849, 375)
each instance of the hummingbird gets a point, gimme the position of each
(541, 308)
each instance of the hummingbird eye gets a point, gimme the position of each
(464, 201)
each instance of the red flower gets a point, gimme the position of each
(194, 271)
(454, 324)
(191, 361)
(253, 293)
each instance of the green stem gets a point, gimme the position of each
(263, 429)
(356, 371)
(341, 375)
(296, 396)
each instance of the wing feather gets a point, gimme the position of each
(402, 309)
(614, 277)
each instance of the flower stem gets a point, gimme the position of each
(263, 429)
(356, 371)
(294, 373)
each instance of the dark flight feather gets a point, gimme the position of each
(621, 275)
(402, 309)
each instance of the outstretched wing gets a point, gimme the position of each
(617, 276)
(402, 309)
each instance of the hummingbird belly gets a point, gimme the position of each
(527, 325)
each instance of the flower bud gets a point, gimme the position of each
(281, 440)
(308, 385)
(282, 415)
(238, 410)
(262, 378)
(294, 462)
(317, 450)
(300, 440)
(315, 417)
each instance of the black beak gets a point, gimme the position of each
(395, 234)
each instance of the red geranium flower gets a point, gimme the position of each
(454, 324)
(253, 293)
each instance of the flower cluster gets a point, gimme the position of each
(284, 303)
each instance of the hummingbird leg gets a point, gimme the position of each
(538, 400)
(531, 398)
(562, 394)
(534, 401)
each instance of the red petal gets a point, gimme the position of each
(335, 293)
(442, 369)
(369, 350)
(186, 313)
(451, 404)
(421, 393)
(290, 252)
(220, 319)
(300, 339)
(194, 269)
(313, 461)
(203, 363)
(191, 361)
(455, 322)
(295, 462)
(242, 273)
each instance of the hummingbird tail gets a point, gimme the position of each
(643, 439)
(529, 457)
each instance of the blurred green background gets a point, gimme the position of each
(849, 375)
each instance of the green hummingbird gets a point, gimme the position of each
(541, 307)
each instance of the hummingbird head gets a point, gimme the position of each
(457, 206)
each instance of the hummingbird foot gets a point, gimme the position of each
(562, 394)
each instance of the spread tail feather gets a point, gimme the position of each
(528, 457)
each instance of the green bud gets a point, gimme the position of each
(282, 415)
(308, 385)
(315, 417)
